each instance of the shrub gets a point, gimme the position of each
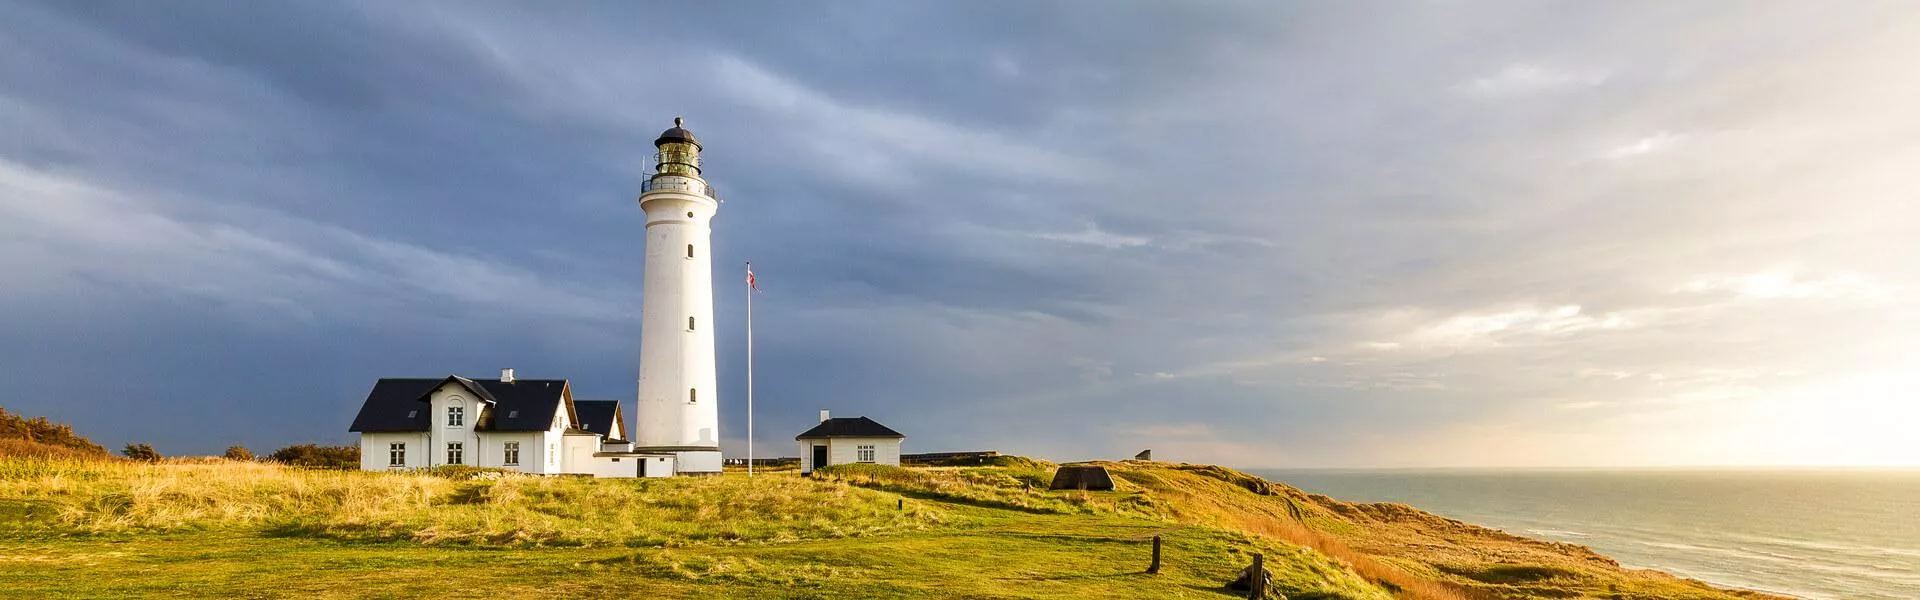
(140, 451)
(40, 431)
(315, 455)
(238, 453)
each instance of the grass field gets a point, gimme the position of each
(110, 529)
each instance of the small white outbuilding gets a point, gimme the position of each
(843, 441)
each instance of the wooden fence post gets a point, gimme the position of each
(1257, 580)
(1154, 568)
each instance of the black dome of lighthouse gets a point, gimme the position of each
(677, 134)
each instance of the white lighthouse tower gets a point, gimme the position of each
(678, 409)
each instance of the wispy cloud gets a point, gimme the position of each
(1092, 235)
(1769, 285)
(1646, 145)
(887, 146)
(1527, 78)
(271, 260)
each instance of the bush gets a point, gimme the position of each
(138, 451)
(238, 453)
(39, 430)
(315, 455)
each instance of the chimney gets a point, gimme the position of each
(823, 415)
(506, 376)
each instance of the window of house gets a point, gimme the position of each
(456, 453)
(553, 454)
(456, 416)
(510, 454)
(864, 453)
(396, 454)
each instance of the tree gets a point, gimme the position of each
(239, 453)
(138, 451)
(315, 455)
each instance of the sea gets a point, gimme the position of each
(1816, 534)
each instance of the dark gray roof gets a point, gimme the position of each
(400, 404)
(676, 134)
(848, 427)
(598, 415)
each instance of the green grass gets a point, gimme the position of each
(228, 529)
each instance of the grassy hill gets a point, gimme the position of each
(214, 528)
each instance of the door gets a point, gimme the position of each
(643, 466)
(819, 456)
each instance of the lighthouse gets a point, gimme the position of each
(678, 409)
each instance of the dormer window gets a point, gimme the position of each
(456, 416)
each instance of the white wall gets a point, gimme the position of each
(577, 453)
(446, 396)
(845, 450)
(374, 447)
(660, 466)
(493, 447)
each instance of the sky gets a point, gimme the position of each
(1261, 234)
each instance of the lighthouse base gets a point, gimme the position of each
(698, 462)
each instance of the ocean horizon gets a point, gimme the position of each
(1821, 533)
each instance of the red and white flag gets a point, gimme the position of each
(751, 284)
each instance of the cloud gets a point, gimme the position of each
(1646, 145)
(880, 146)
(1525, 78)
(270, 260)
(1334, 240)
(1092, 235)
(1771, 285)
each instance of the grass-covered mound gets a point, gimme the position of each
(447, 506)
(217, 528)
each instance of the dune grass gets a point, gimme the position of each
(125, 496)
(218, 528)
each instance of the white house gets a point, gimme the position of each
(528, 425)
(843, 440)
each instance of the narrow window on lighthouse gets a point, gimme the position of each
(693, 395)
(689, 323)
(689, 250)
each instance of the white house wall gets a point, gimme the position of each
(846, 450)
(374, 447)
(493, 447)
(446, 396)
(577, 453)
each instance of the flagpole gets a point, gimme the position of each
(749, 369)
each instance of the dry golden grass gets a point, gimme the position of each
(23, 448)
(99, 497)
